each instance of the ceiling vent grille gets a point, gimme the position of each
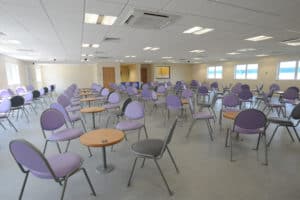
(102, 57)
(111, 39)
(149, 20)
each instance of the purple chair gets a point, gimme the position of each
(257, 125)
(20, 90)
(66, 103)
(230, 103)
(28, 101)
(158, 102)
(290, 95)
(132, 92)
(245, 87)
(161, 90)
(275, 87)
(202, 92)
(205, 116)
(5, 106)
(114, 100)
(133, 112)
(118, 113)
(292, 121)
(17, 104)
(236, 89)
(146, 96)
(57, 167)
(245, 97)
(30, 88)
(103, 95)
(53, 121)
(271, 106)
(187, 93)
(214, 86)
(173, 103)
(4, 94)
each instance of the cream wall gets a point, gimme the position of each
(24, 72)
(63, 75)
(267, 72)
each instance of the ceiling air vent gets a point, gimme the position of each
(149, 20)
(292, 42)
(102, 57)
(111, 39)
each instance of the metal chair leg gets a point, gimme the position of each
(266, 148)
(173, 161)
(163, 177)
(2, 126)
(230, 140)
(146, 132)
(45, 146)
(58, 147)
(23, 185)
(143, 163)
(209, 130)
(273, 135)
(190, 128)
(132, 171)
(296, 132)
(64, 188)
(11, 124)
(290, 134)
(89, 181)
(67, 147)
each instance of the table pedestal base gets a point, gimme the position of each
(102, 170)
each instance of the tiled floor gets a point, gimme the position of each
(205, 169)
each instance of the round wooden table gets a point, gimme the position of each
(88, 100)
(184, 101)
(92, 110)
(102, 138)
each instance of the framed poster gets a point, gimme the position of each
(162, 72)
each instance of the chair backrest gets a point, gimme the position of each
(236, 89)
(104, 92)
(214, 86)
(52, 119)
(36, 94)
(46, 90)
(161, 89)
(4, 93)
(258, 119)
(294, 88)
(134, 110)
(245, 94)
(52, 88)
(114, 98)
(17, 101)
(20, 90)
(295, 114)
(126, 102)
(30, 88)
(245, 87)
(203, 89)
(28, 97)
(231, 100)
(146, 94)
(28, 156)
(63, 100)
(5, 106)
(291, 93)
(61, 109)
(173, 102)
(42, 91)
(274, 87)
(169, 137)
(187, 93)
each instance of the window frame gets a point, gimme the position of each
(246, 72)
(296, 78)
(11, 78)
(214, 67)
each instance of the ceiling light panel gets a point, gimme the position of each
(151, 48)
(197, 51)
(91, 18)
(85, 45)
(95, 45)
(233, 53)
(167, 57)
(262, 55)
(259, 38)
(197, 30)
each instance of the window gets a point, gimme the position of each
(246, 71)
(214, 72)
(287, 70)
(38, 74)
(12, 73)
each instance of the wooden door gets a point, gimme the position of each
(144, 75)
(108, 76)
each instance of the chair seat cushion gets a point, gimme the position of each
(230, 109)
(61, 164)
(203, 115)
(281, 121)
(246, 131)
(3, 115)
(149, 147)
(66, 134)
(129, 125)
(111, 106)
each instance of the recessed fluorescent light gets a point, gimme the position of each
(245, 50)
(133, 56)
(147, 48)
(192, 30)
(83, 55)
(148, 61)
(259, 38)
(233, 53)
(197, 30)
(95, 45)
(167, 57)
(85, 45)
(155, 49)
(222, 59)
(203, 31)
(91, 18)
(197, 51)
(262, 55)
(130, 56)
(197, 58)
(292, 42)
(10, 42)
(90, 55)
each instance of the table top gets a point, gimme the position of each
(92, 109)
(85, 93)
(279, 92)
(102, 137)
(230, 114)
(184, 101)
(88, 99)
